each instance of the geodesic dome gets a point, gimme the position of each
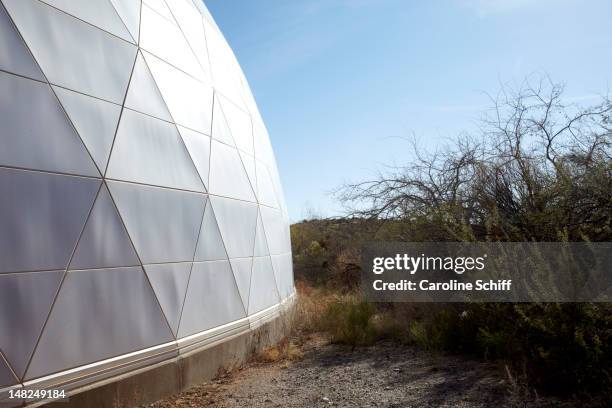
(141, 211)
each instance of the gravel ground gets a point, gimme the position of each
(384, 375)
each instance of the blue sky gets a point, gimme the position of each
(342, 83)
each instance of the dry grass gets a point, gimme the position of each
(286, 351)
(312, 304)
(305, 323)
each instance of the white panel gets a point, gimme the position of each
(277, 230)
(14, 55)
(240, 125)
(143, 94)
(242, 274)
(249, 166)
(94, 119)
(198, 146)
(189, 100)
(100, 13)
(265, 188)
(210, 244)
(249, 100)
(160, 7)
(204, 11)
(190, 22)
(169, 282)
(25, 302)
(166, 41)
(36, 133)
(97, 315)
(72, 53)
(228, 177)
(220, 129)
(150, 151)
(261, 243)
(162, 223)
(280, 197)
(212, 298)
(283, 271)
(129, 11)
(224, 67)
(41, 217)
(104, 242)
(263, 292)
(263, 149)
(6, 375)
(237, 221)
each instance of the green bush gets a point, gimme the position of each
(350, 322)
(559, 348)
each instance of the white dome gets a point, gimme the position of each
(140, 204)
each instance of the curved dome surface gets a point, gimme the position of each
(140, 206)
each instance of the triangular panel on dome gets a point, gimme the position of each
(129, 11)
(249, 100)
(150, 151)
(265, 188)
(7, 378)
(36, 133)
(283, 271)
(262, 146)
(143, 94)
(94, 119)
(220, 128)
(212, 298)
(239, 123)
(204, 11)
(42, 216)
(160, 7)
(31, 294)
(100, 13)
(103, 313)
(164, 39)
(224, 67)
(242, 268)
(198, 145)
(190, 21)
(277, 230)
(164, 224)
(249, 166)
(71, 52)
(278, 189)
(188, 99)
(14, 54)
(210, 244)
(169, 283)
(264, 291)
(228, 175)
(237, 221)
(104, 243)
(261, 242)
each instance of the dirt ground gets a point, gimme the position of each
(384, 375)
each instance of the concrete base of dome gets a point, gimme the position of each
(192, 366)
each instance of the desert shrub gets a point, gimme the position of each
(312, 303)
(558, 348)
(349, 322)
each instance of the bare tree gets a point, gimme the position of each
(540, 166)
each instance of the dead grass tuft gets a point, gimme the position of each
(285, 351)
